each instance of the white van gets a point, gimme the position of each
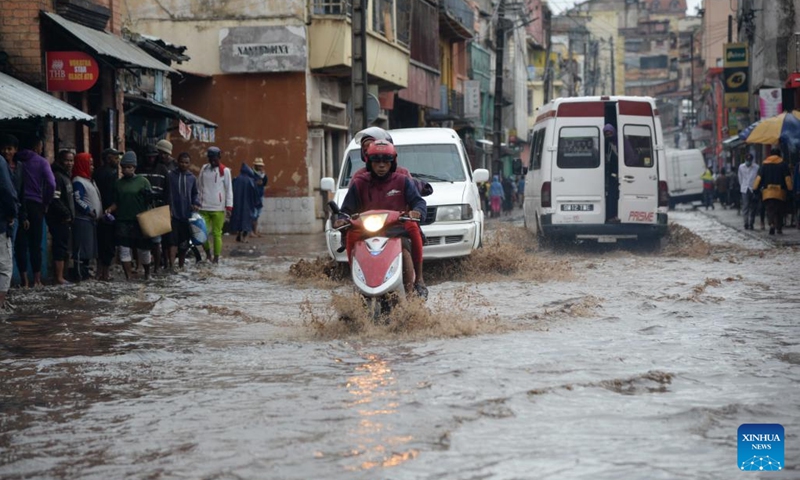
(684, 169)
(566, 193)
(453, 226)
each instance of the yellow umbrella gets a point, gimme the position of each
(769, 130)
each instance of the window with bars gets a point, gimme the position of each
(383, 18)
(333, 7)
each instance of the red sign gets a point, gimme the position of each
(70, 71)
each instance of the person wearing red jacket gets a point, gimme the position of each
(385, 189)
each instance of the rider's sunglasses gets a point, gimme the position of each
(381, 158)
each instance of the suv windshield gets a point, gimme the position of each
(432, 163)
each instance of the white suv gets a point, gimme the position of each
(453, 226)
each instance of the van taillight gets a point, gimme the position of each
(546, 201)
(663, 194)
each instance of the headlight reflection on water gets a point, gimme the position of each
(372, 386)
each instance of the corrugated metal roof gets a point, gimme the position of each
(19, 101)
(170, 111)
(109, 45)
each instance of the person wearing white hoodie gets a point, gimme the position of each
(216, 199)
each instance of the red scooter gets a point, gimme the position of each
(380, 262)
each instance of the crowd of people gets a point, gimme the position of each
(770, 191)
(502, 194)
(92, 210)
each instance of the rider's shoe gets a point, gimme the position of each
(422, 290)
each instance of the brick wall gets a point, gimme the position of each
(19, 37)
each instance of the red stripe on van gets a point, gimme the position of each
(545, 116)
(582, 109)
(627, 107)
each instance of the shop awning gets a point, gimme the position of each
(105, 44)
(170, 111)
(732, 142)
(20, 101)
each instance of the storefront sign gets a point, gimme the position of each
(472, 99)
(263, 49)
(736, 87)
(737, 83)
(735, 55)
(770, 102)
(70, 71)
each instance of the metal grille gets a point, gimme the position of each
(430, 216)
(453, 239)
(333, 7)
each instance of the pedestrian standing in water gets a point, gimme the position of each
(61, 213)
(132, 196)
(246, 195)
(38, 185)
(105, 177)
(261, 183)
(184, 200)
(88, 209)
(776, 178)
(216, 199)
(156, 174)
(496, 195)
(8, 216)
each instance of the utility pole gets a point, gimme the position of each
(613, 68)
(500, 38)
(596, 67)
(547, 66)
(571, 68)
(358, 78)
(691, 108)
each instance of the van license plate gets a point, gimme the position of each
(577, 207)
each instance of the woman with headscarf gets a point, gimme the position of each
(497, 195)
(88, 208)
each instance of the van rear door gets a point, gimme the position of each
(638, 171)
(578, 188)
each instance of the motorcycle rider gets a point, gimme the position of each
(386, 189)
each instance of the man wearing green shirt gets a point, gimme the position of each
(132, 195)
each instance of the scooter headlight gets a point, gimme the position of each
(373, 223)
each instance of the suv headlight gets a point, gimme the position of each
(454, 213)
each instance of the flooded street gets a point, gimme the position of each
(585, 364)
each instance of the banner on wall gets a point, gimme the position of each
(770, 102)
(70, 71)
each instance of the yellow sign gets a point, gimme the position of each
(736, 100)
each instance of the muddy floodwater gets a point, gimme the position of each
(584, 363)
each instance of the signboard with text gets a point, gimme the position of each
(736, 79)
(70, 71)
(263, 49)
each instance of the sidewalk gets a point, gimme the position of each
(728, 217)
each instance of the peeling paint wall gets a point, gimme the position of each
(259, 115)
(198, 24)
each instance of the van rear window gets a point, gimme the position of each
(578, 147)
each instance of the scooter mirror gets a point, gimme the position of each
(334, 208)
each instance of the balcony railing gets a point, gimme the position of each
(459, 10)
(451, 107)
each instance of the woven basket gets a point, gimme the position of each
(155, 222)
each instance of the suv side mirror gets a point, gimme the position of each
(480, 175)
(327, 184)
